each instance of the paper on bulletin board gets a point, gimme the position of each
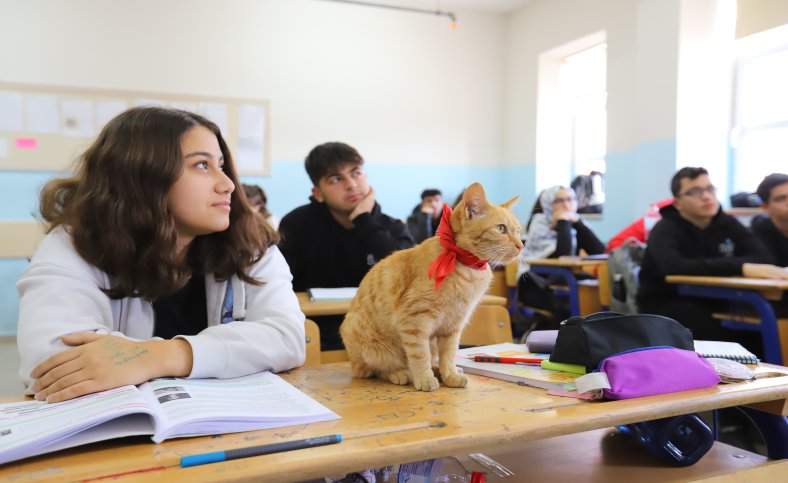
(106, 110)
(251, 137)
(249, 154)
(77, 118)
(3, 148)
(11, 111)
(42, 112)
(147, 101)
(216, 112)
(184, 106)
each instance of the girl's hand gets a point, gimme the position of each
(100, 362)
(563, 214)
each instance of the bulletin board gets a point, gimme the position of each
(46, 128)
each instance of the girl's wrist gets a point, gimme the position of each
(174, 358)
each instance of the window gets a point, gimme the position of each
(760, 133)
(571, 139)
(583, 87)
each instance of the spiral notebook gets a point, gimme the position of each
(725, 350)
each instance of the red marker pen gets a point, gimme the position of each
(508, 360)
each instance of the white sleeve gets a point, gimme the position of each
(59, 294)
(270, 338)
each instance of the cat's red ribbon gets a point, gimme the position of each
(444, 264)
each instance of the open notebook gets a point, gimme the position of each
(725, 350)
(331, 294)
(162, 408)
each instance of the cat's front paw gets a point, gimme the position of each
(456, 380)
(427, 383)
(400, 378)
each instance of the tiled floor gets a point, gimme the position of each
(10, 385)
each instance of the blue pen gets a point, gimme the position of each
(233, 454)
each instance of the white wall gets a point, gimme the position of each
(402, 87)
(705, 88)
(642, 45)
(422, 102)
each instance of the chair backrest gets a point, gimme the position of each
(489, 324)
(19, 239)
(312, 343)
(624, 266)
(603, 275)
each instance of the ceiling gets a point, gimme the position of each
(490, 6)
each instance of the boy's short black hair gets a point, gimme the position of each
(770, 182)
(690, 173)
(430, 192)
(327, 156)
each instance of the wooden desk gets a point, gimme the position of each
(575, 264)
(487, 415)
(489, 324)
(19, 239)
(752, 291)
(769, 289)
(340, 307)
(583, 297)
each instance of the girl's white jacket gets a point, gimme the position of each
(60, 293)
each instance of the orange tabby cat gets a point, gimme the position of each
(404, 325)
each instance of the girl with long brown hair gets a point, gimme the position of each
(154, 265)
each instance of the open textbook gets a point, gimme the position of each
(164, 408)
(529, 375)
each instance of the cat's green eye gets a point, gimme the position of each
(501, 228)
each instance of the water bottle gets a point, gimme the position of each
(680, 440)
(439, 470)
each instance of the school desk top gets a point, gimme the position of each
(340, 307)
(486, 415)
(770, 289)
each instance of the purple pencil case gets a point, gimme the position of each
(656, 370)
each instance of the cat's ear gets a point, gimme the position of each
(475, 201)
(510, 203)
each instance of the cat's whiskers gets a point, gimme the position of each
(497, 256)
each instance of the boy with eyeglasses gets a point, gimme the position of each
(695, 237)
(772, 228)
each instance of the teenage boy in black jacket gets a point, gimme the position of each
(335, 239)
(772, 228)
(426, 216)
(694, 237)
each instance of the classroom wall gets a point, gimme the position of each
(642, 39)
(422, 102)
(426, 105)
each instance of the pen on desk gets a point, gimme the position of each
(232, 454)
(218, 456)
(509, 360)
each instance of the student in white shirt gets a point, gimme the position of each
(154, 266)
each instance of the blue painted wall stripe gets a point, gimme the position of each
(635, 179)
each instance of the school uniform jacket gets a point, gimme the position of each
(772, 237)
(678, 247)
(60, 293)
(323, 253)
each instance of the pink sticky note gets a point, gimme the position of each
(26, 143)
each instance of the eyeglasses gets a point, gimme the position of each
(697, 191)
(571, 199)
